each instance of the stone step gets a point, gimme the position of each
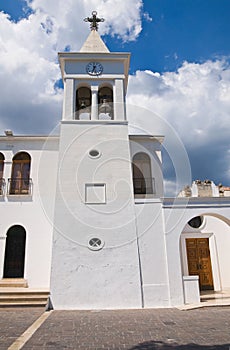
(22, 303)
(215, 295)
(20, 297)
(23, 297)
(13, 283)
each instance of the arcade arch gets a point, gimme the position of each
(205, 251)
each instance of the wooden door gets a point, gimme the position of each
(199, 262)
(15, 252)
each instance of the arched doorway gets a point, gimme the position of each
(205, 243)
(15, 252)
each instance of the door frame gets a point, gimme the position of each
(213, 256)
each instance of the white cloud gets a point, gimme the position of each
(195, 100)
(123, 18)
(147, 17)
(170, 188)
(29, 101)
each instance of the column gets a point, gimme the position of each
(2, 249)
(118, 99)
(68, 103)
(94, 106)
(7, 171)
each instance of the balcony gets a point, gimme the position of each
(144, 187)
(2, 186)
(20, 187)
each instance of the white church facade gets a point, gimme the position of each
(83, 213)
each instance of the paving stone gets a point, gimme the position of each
(201, 329)
(14, 321)
(171, 329)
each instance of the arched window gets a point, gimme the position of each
(20, 176)
(105, 103)
(142, 175)
(2, 158)
(83, 103)
(15, 252)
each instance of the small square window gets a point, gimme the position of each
(95, 194)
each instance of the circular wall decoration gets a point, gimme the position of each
(94, 153)
(95, 243)
(196, 222)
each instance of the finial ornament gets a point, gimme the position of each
(94, 20)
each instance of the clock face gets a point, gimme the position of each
(94, 68)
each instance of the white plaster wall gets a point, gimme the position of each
(86, 279)
(29, 212)
(221, 232)
(81, 278)
(152, 253)
(172, 236)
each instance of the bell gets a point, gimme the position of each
(83, 105)
(105, 107)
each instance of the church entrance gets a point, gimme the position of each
(15, 252)
(199, 262)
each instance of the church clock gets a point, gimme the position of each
(94, 68)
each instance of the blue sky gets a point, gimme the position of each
(180, 68)
(179, 30)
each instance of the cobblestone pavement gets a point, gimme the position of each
(171, 329)
(14, 321)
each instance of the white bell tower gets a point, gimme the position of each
(95, 81)
(95, 261)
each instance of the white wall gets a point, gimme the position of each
(221, 233)
(28, 211)
(110, 277)
(153, 258)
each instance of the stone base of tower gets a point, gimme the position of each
(85, 279)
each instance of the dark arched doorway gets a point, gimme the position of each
(15, 252)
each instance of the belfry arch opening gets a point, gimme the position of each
(83, 103)
(105, 103)
(14, 261)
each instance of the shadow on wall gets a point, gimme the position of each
(153, 345)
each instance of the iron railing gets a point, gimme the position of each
(22, 186)
(144, 186)
(2, 186)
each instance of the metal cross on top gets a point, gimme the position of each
(94, 20)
